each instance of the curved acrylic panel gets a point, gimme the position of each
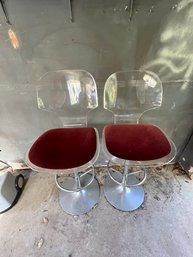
(71, 94)
(128, 94)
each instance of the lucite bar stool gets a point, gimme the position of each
(129, 145)
(68, 152)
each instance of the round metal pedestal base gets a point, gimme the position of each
(81, 202)
(123, 198)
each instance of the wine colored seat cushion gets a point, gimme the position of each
(137, 142)
(64, 148)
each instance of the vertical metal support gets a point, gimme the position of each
(131, 9)
(70, 9)
(120, 194)
(5, 11)
(77, 180)
(124, 179)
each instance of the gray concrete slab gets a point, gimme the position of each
(162, 227)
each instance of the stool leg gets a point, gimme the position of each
(120, 195)
(77, 180)
(83, 199)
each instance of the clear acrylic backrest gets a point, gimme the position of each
(128, 94)
(71, 94)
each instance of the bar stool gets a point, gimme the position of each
(131, 147)
(68, 152)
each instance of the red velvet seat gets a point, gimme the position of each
(64, 148)
(136, 142)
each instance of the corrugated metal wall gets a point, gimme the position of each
(101, 40)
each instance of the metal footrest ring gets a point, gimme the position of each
(124, 191)
(121, 197)
(79, 194)
(82, 201)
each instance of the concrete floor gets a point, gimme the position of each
(162, 227)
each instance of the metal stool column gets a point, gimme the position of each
(121, 194)
(80, 194)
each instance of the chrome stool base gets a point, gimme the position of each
(80, 202)
(123, 198)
